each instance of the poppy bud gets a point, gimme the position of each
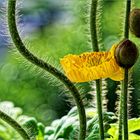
(134, 22)
(126, 54)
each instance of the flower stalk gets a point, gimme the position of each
(94, 40)
(15, 125)
(93, 25)
(120, 116)
(125, 81)
(126, 25)
(124, 104)
(45, 66)
(99, 107)
(126, 55)
(123, 118)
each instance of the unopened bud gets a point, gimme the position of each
(134, 22)
(126, 54)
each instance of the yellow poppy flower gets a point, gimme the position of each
(92, 66)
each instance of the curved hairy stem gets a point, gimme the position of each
(94, 40)
(123, 110)
(40, 63)
(15, 125)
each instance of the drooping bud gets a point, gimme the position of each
(134, 22)
(126, 53)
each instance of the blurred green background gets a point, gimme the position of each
(53, 29)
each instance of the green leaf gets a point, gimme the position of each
(31, 127)
(133, 125)
(49, 130)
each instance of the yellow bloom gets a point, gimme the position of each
(92, 66)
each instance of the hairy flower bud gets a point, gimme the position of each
(126, 53)
(134, 22)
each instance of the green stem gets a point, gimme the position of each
(40, 63)
(99, 108)
(94, 40)
(120, 118)
(123, 118)
(93, 26)
(126, 25)
(15, 125)
(124, 104)
(125, 81)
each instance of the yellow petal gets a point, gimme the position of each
(92, 66)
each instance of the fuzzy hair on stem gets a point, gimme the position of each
(15, 125)
(95, 47)
(123, 119)
(125, 81)
(49, 68)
